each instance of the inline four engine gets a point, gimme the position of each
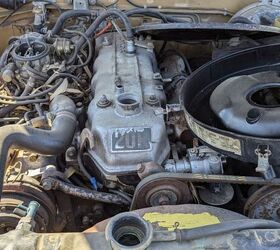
(102, 113)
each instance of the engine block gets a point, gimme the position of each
(125, 115)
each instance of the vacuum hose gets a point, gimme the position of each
(94, 26)
(50, 142)
(66, 15)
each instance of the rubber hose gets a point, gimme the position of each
(66, 15)
(224, 228)
(154, 13)
(50, 142)
(151, 13)
(8, 109)
(83, 193)
(94, 26)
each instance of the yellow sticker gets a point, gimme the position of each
(180, 220)
(216, 140)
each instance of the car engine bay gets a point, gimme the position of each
(108, 107)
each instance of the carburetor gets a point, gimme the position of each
(29, 53)
(125, 116)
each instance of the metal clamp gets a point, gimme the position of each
(264, 166)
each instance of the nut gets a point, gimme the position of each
(103, 102)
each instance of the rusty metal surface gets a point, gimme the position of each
(222, 214)
(145, 186)
(233, 179)
(264, 204)
(21, 193)
(248, 239)
(161, 192)
(204, 31)
(26, 240)
(164, 188)
(83, 193)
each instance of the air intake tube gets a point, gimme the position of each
(50, 142)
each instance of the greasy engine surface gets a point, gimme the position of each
(125, 116)
(107, 107)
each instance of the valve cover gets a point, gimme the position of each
(125, 116)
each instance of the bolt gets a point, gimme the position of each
(79, 104)
(47, 185)
(85, 221)
(103, 102)
(163, 200)
(213, 159)
(33, 157)
(98, 213)
(71, 152)
(7, 75)
(215, 188)
(152, 100)
(106, 41)
(92, 2)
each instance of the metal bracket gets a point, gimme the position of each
(40, 15)
(158, 76)
(264, 166)
(80, 4)
(86, 139)
(176, 107)
(170, 108)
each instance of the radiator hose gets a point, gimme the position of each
(49, 142)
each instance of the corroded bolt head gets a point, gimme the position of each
(103, 102)
(163, 200)
(72, 152)
(47, 185)
(152, 100)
